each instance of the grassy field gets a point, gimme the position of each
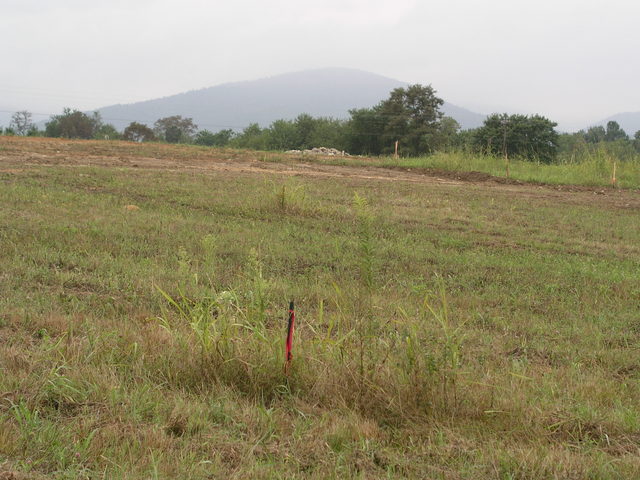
(446, 328)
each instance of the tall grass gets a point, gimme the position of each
(595, 170)
(383, 369)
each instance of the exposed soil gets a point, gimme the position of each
(18, 155)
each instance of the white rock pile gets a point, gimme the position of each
(330, 152)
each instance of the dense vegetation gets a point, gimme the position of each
(409, 119)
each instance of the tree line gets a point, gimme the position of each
(410, 120)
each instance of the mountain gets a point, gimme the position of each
(629, 121)
(328, 92)
(466, 118)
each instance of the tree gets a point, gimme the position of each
(327, 132)
(636, 141)
(252, 137)
(305, 126)
(447, 132)
(572, 146)
(173, 134)
(282, 135)
(364, 131)
(21, 122)
(73, 124)
(464, 140)
(107, 132)
(210, 139)
(410, 116)
(614, 132)
(33, 131)
(532, 137)
(595, 134)
(175, 129)
(138, 132)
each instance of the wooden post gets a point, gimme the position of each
(395, 155)
(613, 176)
(504, 144)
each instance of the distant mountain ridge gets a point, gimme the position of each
(327, 92)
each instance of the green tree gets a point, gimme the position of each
(173, 134)
(621, 149)
(531, 137)
(447, 132)
(175, 129)
(107, 132)
(138, 132)
(595, 134)
(327, 132)
(464, 140)
(614, 132)
(252, 137)
(410, 116)
(364, 131)
(34, 132)
(572, 147)
(21, 122)
(305, 126)
(283, 135)
(210, 139)
(73, 124)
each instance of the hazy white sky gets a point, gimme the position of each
(575, 61)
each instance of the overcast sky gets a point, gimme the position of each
(575, 61)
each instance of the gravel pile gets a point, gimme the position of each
(331, 152)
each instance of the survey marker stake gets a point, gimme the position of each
(288, 346)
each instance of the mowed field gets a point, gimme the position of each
(448, 325)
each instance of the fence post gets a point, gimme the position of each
(613, 176)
